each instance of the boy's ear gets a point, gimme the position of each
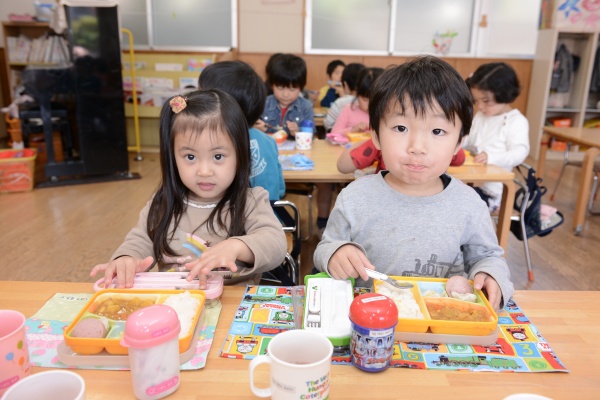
(375, 140)
(459, 145)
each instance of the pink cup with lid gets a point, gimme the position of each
(14, 353)
(152, 336)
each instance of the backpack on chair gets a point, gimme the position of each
(531, 189)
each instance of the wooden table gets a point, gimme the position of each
(589, 137)
(325, 156)
(570, 322)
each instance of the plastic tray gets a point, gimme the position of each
(67, 356)
(444, 327)
(171, 281)
(112, 343)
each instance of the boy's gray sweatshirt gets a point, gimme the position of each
(450, 233)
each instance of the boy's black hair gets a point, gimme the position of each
(269, 65)
(420, 83)
(287, 70)
(498, 78)
(239, 80)
(333, 65)
(351, 73)
(206, 112)
(365, 81)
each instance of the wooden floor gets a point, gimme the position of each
(59, 234)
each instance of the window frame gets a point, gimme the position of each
(151, 35)
(477, 47)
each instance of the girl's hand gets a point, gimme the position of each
(488, 284)
(481, 158)
(292, 127)
(349, 261)
(221, 255)
(124, 268)
(360, 127)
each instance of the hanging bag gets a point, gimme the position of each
(533, 220)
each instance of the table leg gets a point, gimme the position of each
(542, 156)
(504, 214)
(585, 183)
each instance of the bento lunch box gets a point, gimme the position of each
(115, 305)
(445, 315)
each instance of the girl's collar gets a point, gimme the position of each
(198, 205)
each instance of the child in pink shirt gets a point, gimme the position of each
(355, 116)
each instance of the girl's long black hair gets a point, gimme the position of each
(206, 112)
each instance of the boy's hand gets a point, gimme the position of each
(292, 127)
(349, 261)
(489, 285)
(124, 268)
(481, 158)
(221, 255)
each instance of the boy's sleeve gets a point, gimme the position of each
(482, 253)
(458, 159)
(308, 112)
(336, 235)
(365, 155)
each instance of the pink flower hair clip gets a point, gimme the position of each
(178, 104)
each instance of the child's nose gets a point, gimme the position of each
(417, 144)
(204, 169)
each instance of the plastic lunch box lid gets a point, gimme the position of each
(374, 311)
(168, 280)
(151, 326)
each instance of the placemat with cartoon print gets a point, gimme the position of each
(268, 310)
(45, 333)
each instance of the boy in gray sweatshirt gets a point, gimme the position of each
(414, 219)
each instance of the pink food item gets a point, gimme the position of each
(458, 284)
(90, 328)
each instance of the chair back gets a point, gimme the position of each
(288, 273)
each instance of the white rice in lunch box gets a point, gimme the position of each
(404, 299)
(186, 307)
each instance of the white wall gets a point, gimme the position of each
(271, 26)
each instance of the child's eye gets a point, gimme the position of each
(438, 132)
(400, 128)
(219, 157)
(189, 157)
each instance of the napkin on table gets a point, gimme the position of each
(296, 162)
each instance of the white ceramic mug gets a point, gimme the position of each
(49, 385)
(14, 353)
(300, 366)
(304, 140)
